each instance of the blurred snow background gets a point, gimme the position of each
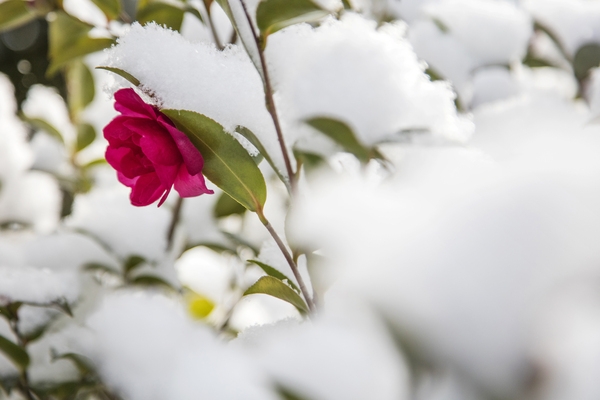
(465, 266)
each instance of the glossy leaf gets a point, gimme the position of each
(150, 280)
(43, 125)
(110, 8)
(122, 74)
(586, 58)
(275, 273)
(289, 394)
(252, 138)
(310, 161)
(227, 206)
(15, 353)
(14, 13)
(226, 163)
(80, 87)
(276, 288)
(63, 306)
(86, 134)
(225, 6)
(132, 263)
(83, 364)
(192, 10)
(239, 240)
(273, 15)
(95, 163)
(162, 13)
(97, 267)
(538, 26)
(69, 39)
(341, 133)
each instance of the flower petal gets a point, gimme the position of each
(130, 104)
(191, 155)
(147, 190)
(115, 132)
(125, 180)
(190, 185)
(167, 174)
(126, 161)
(155, 142)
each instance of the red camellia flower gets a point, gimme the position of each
(150, 154)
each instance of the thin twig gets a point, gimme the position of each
(174, 222)
(270, 102)
(289, 259)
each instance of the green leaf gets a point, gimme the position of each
(192, 10)
(43, 125)
(35, 334)
(273, 15)
(97, 267)
(276, 288)
(288, 394)
(239, 240)
(68, 38)
(227, 206)
(150, 280)
(275, 273)
(533, 61)
(15, 353)
(538, 26)
(162, 13)
(310, 161)
(95, 163)
(225, 6)
(63, 306)
(226, 163)
(342, 135)
(434, 75)
(252, 138)
(9, 382)
(14, 13)
(83, 364)
(586, 58)
(80, 87)
(110, 8)
(132, 263)
(86, 134)
(122, 74)
(440, 25)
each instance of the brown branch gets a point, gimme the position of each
(289, 259)
(174, 222)
(270, 102)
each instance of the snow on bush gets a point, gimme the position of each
(402, 200)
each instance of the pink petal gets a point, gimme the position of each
(156, 143)
(167, 174)
(190, 185)
(115, 132)
(128, 103)
(191, 155)
(147, 190)
(125, 180)
(126, 161)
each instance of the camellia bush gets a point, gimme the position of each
(299, 199)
